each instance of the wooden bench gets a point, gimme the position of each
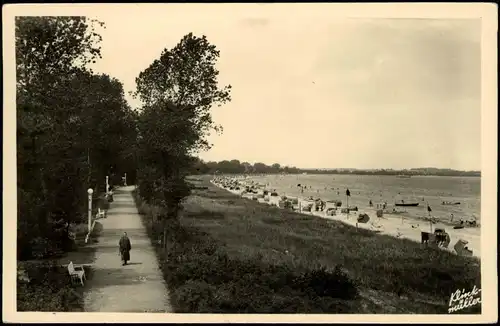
(76, 272)
(101, 213)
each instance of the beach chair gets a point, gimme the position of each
(461, 249)
(432, 241)
(425, 237)
(363, 218)
(331, 212)
(446, 241)
(76, 272)
(442, 238)
(307, 208)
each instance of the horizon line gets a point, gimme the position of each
(352, 168)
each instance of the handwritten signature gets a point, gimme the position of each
(462, 299)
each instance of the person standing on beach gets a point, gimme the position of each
(124, 248)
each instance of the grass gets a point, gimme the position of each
(228, 254)
(50, 288)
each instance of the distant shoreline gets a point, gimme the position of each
(356, 173)
(237, 167)
(451, 173)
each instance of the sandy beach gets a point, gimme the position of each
(395, 225)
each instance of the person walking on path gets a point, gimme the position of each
(125, 248)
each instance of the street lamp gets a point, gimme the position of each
(90, 192)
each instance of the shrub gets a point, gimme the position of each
(254, 263)
(43, 247)
(323, 283)
(202, 277)
(50, 289)
(195, 295)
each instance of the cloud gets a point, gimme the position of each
(388, 62)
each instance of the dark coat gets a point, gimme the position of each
(125, 247)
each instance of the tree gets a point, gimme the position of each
(72, 125)
(186, 78)
(248, 168)
(199, 166)
(177, 91)
(212, 166)
(260, 168)
(49, 51)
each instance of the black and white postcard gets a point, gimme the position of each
(272, 162)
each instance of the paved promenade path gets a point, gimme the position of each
(136, 287)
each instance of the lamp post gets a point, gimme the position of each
(90, 192)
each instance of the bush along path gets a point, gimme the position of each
(135, 287)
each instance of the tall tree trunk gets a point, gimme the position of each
(43, 213)
(89, 167)
(164, 239)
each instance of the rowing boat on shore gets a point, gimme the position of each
(407, 204)
(450, 203)
(394, 211)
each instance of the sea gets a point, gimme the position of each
(428, 191)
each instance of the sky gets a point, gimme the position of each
(315, 91)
